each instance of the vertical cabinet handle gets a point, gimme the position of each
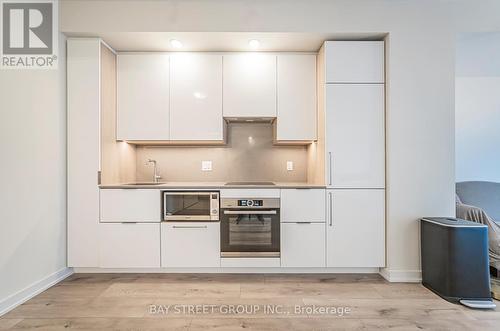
(330, 168)
(330, 196)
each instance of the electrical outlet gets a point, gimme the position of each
(289, 165)
(206, 165)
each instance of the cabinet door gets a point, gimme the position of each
(129, 245)
(249, 86)
(354, 61)
(355, 228)
(142, 97)
(302, 205)
(196, 97)
(83, 138)
(296, 114)
(303, 244)
(355, 139)
(190, 244)
(132, 205)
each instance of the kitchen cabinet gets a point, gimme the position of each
(196, 97)
(143, 97)
(354, 61)
(355, 136)
(83, 94)
(190, 244)
(296, 98)
(302, 205)
(303, 245)
(129, 245)
(249, 85)
(355, 228)
(130, 205)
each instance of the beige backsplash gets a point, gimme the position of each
(249, 156)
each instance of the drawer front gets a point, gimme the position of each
(190, 244)
(129, 245)
(303, 245)
(130, 205)
(303, 205)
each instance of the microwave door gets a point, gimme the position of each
(187, 206)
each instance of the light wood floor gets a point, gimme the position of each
(124, 302)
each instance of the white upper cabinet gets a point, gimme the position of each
(143, 97)
(355, 139)
(296, 114)
(249, 85)
(196, 97)
(354, 61)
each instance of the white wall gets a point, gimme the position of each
(32, 176)
(477, 107)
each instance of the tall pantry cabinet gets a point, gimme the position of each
(95, 157)
(354, 91)
(84, 146)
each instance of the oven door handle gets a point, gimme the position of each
(249, 212)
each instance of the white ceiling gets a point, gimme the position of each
(221, 41)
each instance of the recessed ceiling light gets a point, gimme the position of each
(175, 43)
(254, 43)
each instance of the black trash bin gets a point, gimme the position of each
(455, 260)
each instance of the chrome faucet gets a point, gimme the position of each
(155, 171)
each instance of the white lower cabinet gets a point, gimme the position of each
(190, 244)
(129, 245)
(303, 244)
(355, 228)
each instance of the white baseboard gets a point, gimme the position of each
(238, 270)
(29, 292)
(401, 276)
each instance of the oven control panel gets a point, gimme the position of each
(250, 203)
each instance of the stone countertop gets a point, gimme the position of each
(210, 185)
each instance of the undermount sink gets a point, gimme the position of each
(144, 183)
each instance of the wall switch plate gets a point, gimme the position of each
(289, 165)
(206, 165)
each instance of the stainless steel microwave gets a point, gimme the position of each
(190, 206)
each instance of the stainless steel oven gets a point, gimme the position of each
(190, 206)
(250, 227)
